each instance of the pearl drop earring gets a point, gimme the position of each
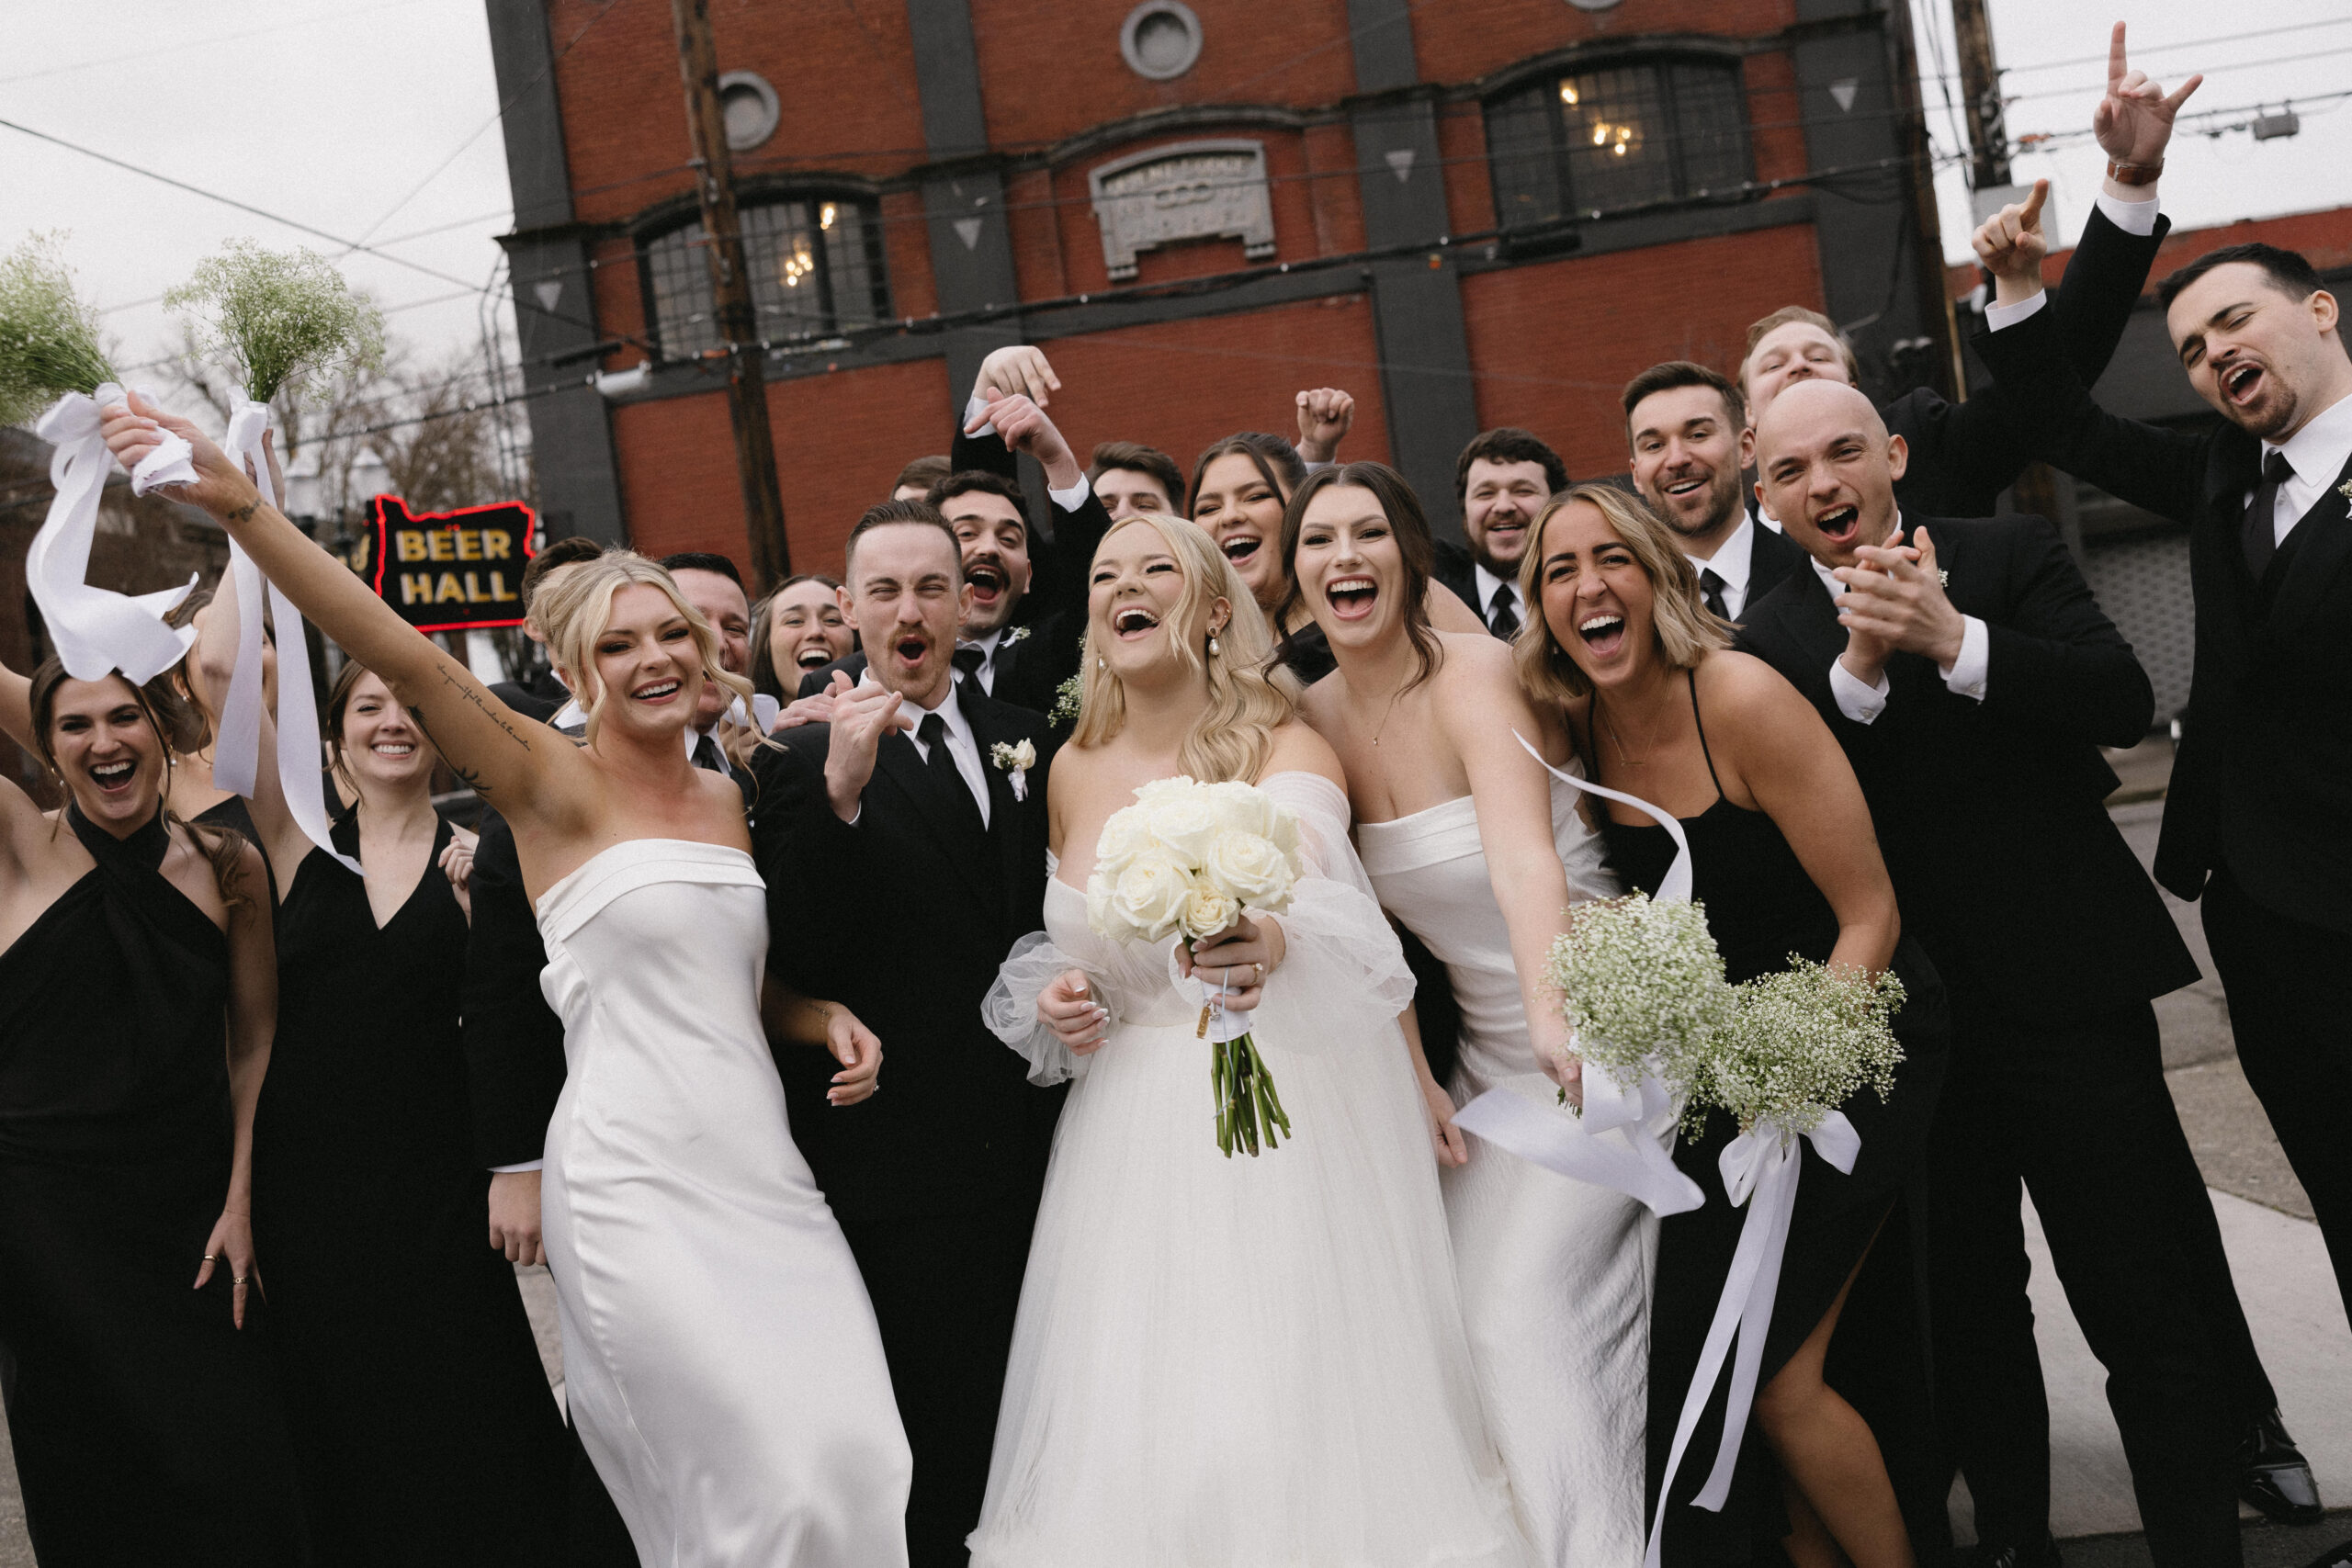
(1214, 650)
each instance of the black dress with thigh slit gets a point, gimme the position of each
(425, 1425)
(146, 1426)
(1763, 908)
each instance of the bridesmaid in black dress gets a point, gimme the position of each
(1785, 862)
(427, 1429)
(145, 1420)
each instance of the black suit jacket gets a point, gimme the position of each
(1965, 455)
(1772, 559)
(514, 1041)
(1992, 814)
(903, 918)
(2262, 783)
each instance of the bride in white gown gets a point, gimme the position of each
(1479, 853)
(1220, 1363)
(720, 1355)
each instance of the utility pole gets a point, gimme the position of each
(1940, 365)
(731, 282)
(1980, 87)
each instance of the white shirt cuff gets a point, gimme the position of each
(1967, 673)
(1318, 467)
(2131, 216)
(1998, 316)
(511, 1169)
(1859, 703)
(972, 411)
(1071, 500)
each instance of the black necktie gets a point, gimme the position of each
(706, 755)
(969, 660)
(2261, 537)
(932, 733)
(1502, 617)
(1710, 589)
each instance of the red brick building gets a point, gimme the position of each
(1476, 213)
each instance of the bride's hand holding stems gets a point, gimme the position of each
(1240, 958)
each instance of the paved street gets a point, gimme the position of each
(2281, 1267)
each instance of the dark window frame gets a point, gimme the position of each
(683, 340)
(1532, 93)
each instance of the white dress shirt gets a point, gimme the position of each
(962, 746)
(2317, 453)
(1487, 582)
(989, 646)
(2131, 216)
(1965, 675)
(1732, 562)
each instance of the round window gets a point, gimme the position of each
(1161, 38)
(750, 108)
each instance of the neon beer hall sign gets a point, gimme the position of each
(458, 570)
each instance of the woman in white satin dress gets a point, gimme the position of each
(1479, 853)
(720, 1355)
(1244, 1362)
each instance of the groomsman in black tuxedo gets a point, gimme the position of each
(1502, 478)
(916, 821)
(539, 697)
(1971, 678)
(1687, 428)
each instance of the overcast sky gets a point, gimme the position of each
(375, 120)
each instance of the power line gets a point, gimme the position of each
(203, 40)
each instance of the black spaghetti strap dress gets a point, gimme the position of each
(427, 1429)
(1762, 908)
(146, 1427)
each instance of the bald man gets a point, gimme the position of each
(1971, 679)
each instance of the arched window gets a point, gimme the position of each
(816, 267)
(1616, 136)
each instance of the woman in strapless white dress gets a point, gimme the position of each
(1244, 1362)
(720, 1355)
(1479, 853)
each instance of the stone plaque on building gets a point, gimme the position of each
(1190, 190)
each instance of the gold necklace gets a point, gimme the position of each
(1386, 713)
(1623, 751)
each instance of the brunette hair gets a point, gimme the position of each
(1509, 443)
(965, 482)
(1764, 326)
(1235, 734)
(763, 675)
(1676, 372)
(1138, 458)
(2290, 271)
(1411, 528)
(578, 606)
(890, 515)
(1683, 629)
(703, 560)
(224, 850)
(923, 472)
(1277, 461)
(562, 553)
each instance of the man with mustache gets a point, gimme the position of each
(916, 819)
(1502, 478)
(1687, 428)
(1971, 678)
(2254, 820)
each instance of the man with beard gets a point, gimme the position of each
(712, 585)
(1688, 429)
(2254, 823)
(916, 818)
(1503, 479)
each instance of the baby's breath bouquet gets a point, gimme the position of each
(1187, 859)
(1797, 1045)
(1642, 985)
(49, 336)
(279, 320)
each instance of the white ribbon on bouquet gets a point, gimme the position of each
(237, 750)
(99, 631)
(1624, 1139)
(1764, 1162)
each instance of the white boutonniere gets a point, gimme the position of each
(1943, 577)
(2345, 490)
(1015, 760)
(1018, 634)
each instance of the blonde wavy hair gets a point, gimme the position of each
(1235, 733)
(574, 605)
(1682, 628)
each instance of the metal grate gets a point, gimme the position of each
(2142, 582)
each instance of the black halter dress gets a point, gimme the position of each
(1762, 908)
(425, 1425)
(146, 1427)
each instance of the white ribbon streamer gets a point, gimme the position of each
(1638, 1161)
(1764, 1162)
(99, 631)
(236, 752)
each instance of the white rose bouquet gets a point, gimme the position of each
(1187, 859)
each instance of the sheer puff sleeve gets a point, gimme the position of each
(1010, 1010)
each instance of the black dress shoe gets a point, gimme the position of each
(2274, 1477)
(2337, 1556)
(2043, 1554)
